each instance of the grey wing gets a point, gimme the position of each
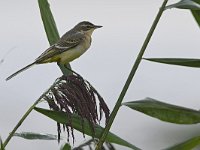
(65, 43)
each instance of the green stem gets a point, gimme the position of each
(26, 114)
(130, 77)
(64, 70)
(20, 122)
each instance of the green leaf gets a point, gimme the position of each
(165, 112)
(62, 117)
(36, 136)
(193, 5)
(185, 4)
(50, 28)
(66, 146)
(48, 21)
(196, 13)
(187, 145)
(177, 61)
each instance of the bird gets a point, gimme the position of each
(70, 46)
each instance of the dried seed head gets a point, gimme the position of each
(73, 94)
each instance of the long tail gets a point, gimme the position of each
(19, 71)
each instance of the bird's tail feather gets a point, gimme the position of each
(19, 71)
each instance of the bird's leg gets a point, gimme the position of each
(71, 70)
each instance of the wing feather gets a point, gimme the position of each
(65, 43)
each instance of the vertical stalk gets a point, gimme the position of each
(20, 122)
(130, 77)
(26, 114)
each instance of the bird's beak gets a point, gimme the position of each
(97, 26)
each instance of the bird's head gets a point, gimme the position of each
(86, 27)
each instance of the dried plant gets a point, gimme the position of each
(73, 94)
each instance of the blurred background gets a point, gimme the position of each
(106, 65)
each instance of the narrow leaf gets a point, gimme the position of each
(48, 21)
(66, 146)
(196, 13)
(36, 136)
(193, 5)
(187, 145)
(165, 112)
(50, 28)
(76, 122)
(177, 61)
(185, 4)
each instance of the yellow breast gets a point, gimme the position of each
(75, 52)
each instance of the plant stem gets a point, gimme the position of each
(20, 122)
(26, 114)
(130, 77)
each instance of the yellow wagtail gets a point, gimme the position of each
(69, 47)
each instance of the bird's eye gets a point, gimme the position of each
(88, 27)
